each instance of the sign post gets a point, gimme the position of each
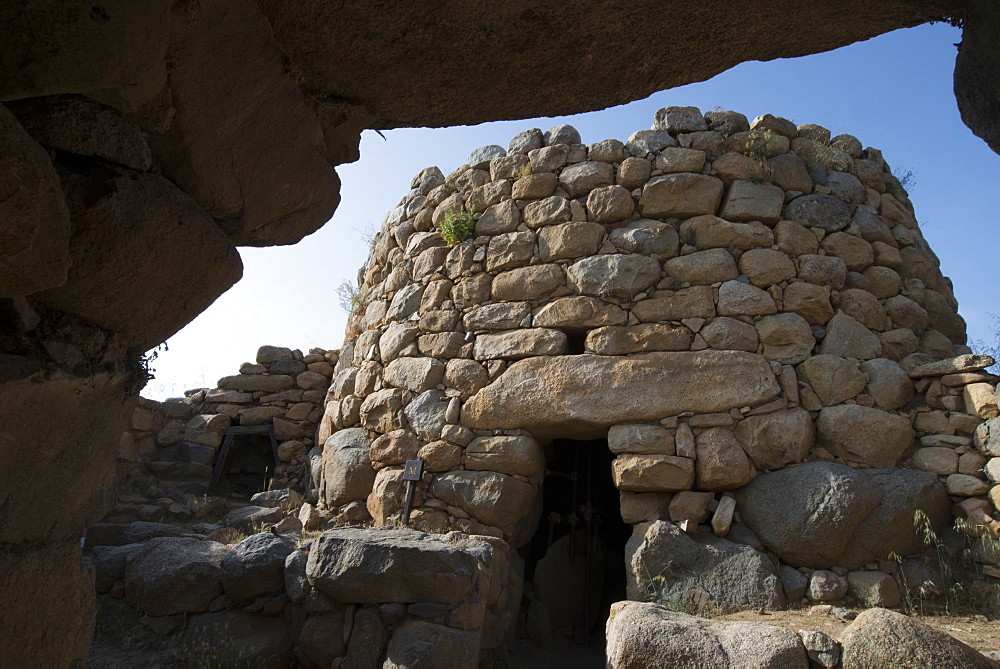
(412, 472)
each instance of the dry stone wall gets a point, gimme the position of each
(745, 310)
(175, 443)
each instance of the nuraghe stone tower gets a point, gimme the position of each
(748, 314)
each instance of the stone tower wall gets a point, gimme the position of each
(719, 299)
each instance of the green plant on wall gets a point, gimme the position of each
(759, 145)
(457, 226)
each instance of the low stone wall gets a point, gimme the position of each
(175, 443)
(368, 597)
(724, 301)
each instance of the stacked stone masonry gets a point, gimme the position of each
(391, 597)
(744, 310)
(175, 443)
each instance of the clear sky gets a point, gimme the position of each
(893, 93)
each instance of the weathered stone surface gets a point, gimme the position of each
(500, 218)
(49, 609)
(679, 119)
(79, 125)
(241, 103)
(610, 204)
(874, 588)
(501, 316)
(701, 575)
(765, 267)
(777, 439)
(848, 338)
(712, 232)
(703, 267)
(640, 438)
(527, 283)
(578, 313)
(615, 275)
(394, 448)
(171, 575)
(821, 211)
(826, 586)
(419, 643)
(647, 237)
(887, 383)
(569, 240)
(962, 363)
(823, 270)
(642, 142)
(35, 238)
(491, 498)
(466, 376)
(426, 414)
(582, 178)
(361, 566)
(586, 394)
(808, 300)
(720, 463)
(347, 471)
(255, 566)
(507, 455)
(822, 514)
(615, 340)
(652, 473)
(680, 196)
(786, 338)
(740, 299)
(882, 638)
(414, 374)
(251, 518)
(694, 302)
(511, 249)
(517, 344)
(871, 436)
(321, 638)
(856, 253)
(156, 294)
(746, 201)
(832, 378)
(730, 334)
(648, 635)
(382, 410)
(252, 382)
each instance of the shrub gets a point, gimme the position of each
(457, 226)
(759, 145)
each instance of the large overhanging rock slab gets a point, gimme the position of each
(333, 43)
(361, 566)
(581, 396)
(34, 233)
(139, 238)
(243, 141)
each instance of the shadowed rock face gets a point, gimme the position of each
(419, 61)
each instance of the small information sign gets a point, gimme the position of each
(414, 470)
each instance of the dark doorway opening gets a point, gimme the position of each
(576, 343)
(576, 560)
(246, 461)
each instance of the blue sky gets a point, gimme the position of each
(893, 93)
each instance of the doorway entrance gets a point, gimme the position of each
(246, 461)
(576, 560)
